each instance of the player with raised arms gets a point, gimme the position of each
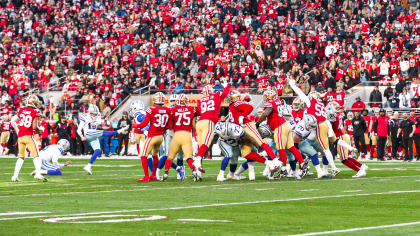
(52, 153)
(208, 108)
(158, 116)
(90, 129)
(29, 117)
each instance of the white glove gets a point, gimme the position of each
(224, 82)
(41, 128)
(241, 121)
(263, 154)
(371, 135)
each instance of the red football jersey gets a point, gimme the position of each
(340, 98)
(182, 118)
(237, 109)
(5, 126)
(26, 116)
(299, 116)
(317, 109)
(338, 126)
(349, 126)
(208, 107)
(158, 118)
(368, 120)
(275, 119)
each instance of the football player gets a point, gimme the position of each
(137, 113)
(50, 154)
(335, 118)
(348, 126)
(182, 122)
(158, 116)
(297, 110)
(238, 114)
(324, 132)
(90, 130)
(282, 129)
(5, 131)
(208, 108)
(29, 117)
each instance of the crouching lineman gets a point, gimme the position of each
(337, 125)
(50, 154)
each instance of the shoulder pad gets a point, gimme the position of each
(149, 110)
(268, 104)
(238, 103)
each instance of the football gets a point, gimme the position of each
(247, 98)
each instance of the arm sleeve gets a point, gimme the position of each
(55, 159)
(80, 128)
(375, 125)
(246, 109)
(225, 93)
(302, 95)
(13, 121)
(144, 122)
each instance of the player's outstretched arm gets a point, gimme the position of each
(299, 92)
(14, 125)
(264, 115)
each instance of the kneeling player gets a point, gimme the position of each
(50, 154)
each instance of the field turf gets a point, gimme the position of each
(385, 202)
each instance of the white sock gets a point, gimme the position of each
(158, 172)
(18, 166)
(283, 167)
(251, 166)
(325, 168)
(89, 165)
(240, 170)
(38, 164)
(345, 145)
(44, 172)
(222, 172)
(318, 168)
(330, 158)
(198, 158)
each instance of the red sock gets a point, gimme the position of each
(190, 161)
(297, 154)
(138, 149)
(283, 156)
(155, 164)
(351, 165)
(360, 147)
(368, 148)
(388, 149)
(269, 151)
(372, 149)
(255, 157)
(355, 162)
(202, 150)
(168, 164)
(145, 166)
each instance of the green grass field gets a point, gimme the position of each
(382, 203)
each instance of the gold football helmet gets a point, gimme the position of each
(335, 105)
(32, 101)
(269, 95)
(159, 98)
(207, 90)
(183, 100)
(315, 95)
(233, 95)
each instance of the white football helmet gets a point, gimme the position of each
(350, 115)
(315, 95)
(93, 110)
(265, 131)
(172, 100)
(296, 104)
(64, 144)
(331, 113)
(226, 130)
(287, 113)
(135, 106)
(310, 122)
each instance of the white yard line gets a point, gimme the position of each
(214, 205)
(357, 229)
(352, 191)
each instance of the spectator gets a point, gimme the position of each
(359, 128)
(59, 69)
(104, 141)
(178, 89)
(394, 99)
(405, 99)
(358, 105)
(63, 129)
(375, 98)
(393, 135)
(407, 127)
(218, 87)
(123, 137)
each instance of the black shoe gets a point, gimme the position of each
(165, 176)
(382, 159)
(194, 175)
(107, 156)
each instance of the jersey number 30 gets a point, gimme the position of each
(161, 120)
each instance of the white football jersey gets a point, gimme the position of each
(301, 131)
(232, 140)
(51, 153)
(87, 123)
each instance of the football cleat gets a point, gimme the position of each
(266, 171)
(221, 178)
(231, 175)
(165, 176)
(153, 177)
(40, 177)
(15, 179)
(6, 151)
(181, 172)
(359, 174)
(273, 171)
(304, 169)
(281, 174)
(197, 165)
(124, 130)
(199, 176)
(309, 174)
(33, 173)
(194, 175)
(297, 176)
(88, 169)
(364, 167)
(251, 175)
(145, 179)
(335, 172)
(355, 154)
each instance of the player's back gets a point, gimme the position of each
(235, 112)
(159, 117)
(26, 116)
(50, 151)
(182, 118)
(233, 139)
(5, 126)
(317, 109)
(301, 131)
(210, 106)
(338, 126)
(275, 119)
